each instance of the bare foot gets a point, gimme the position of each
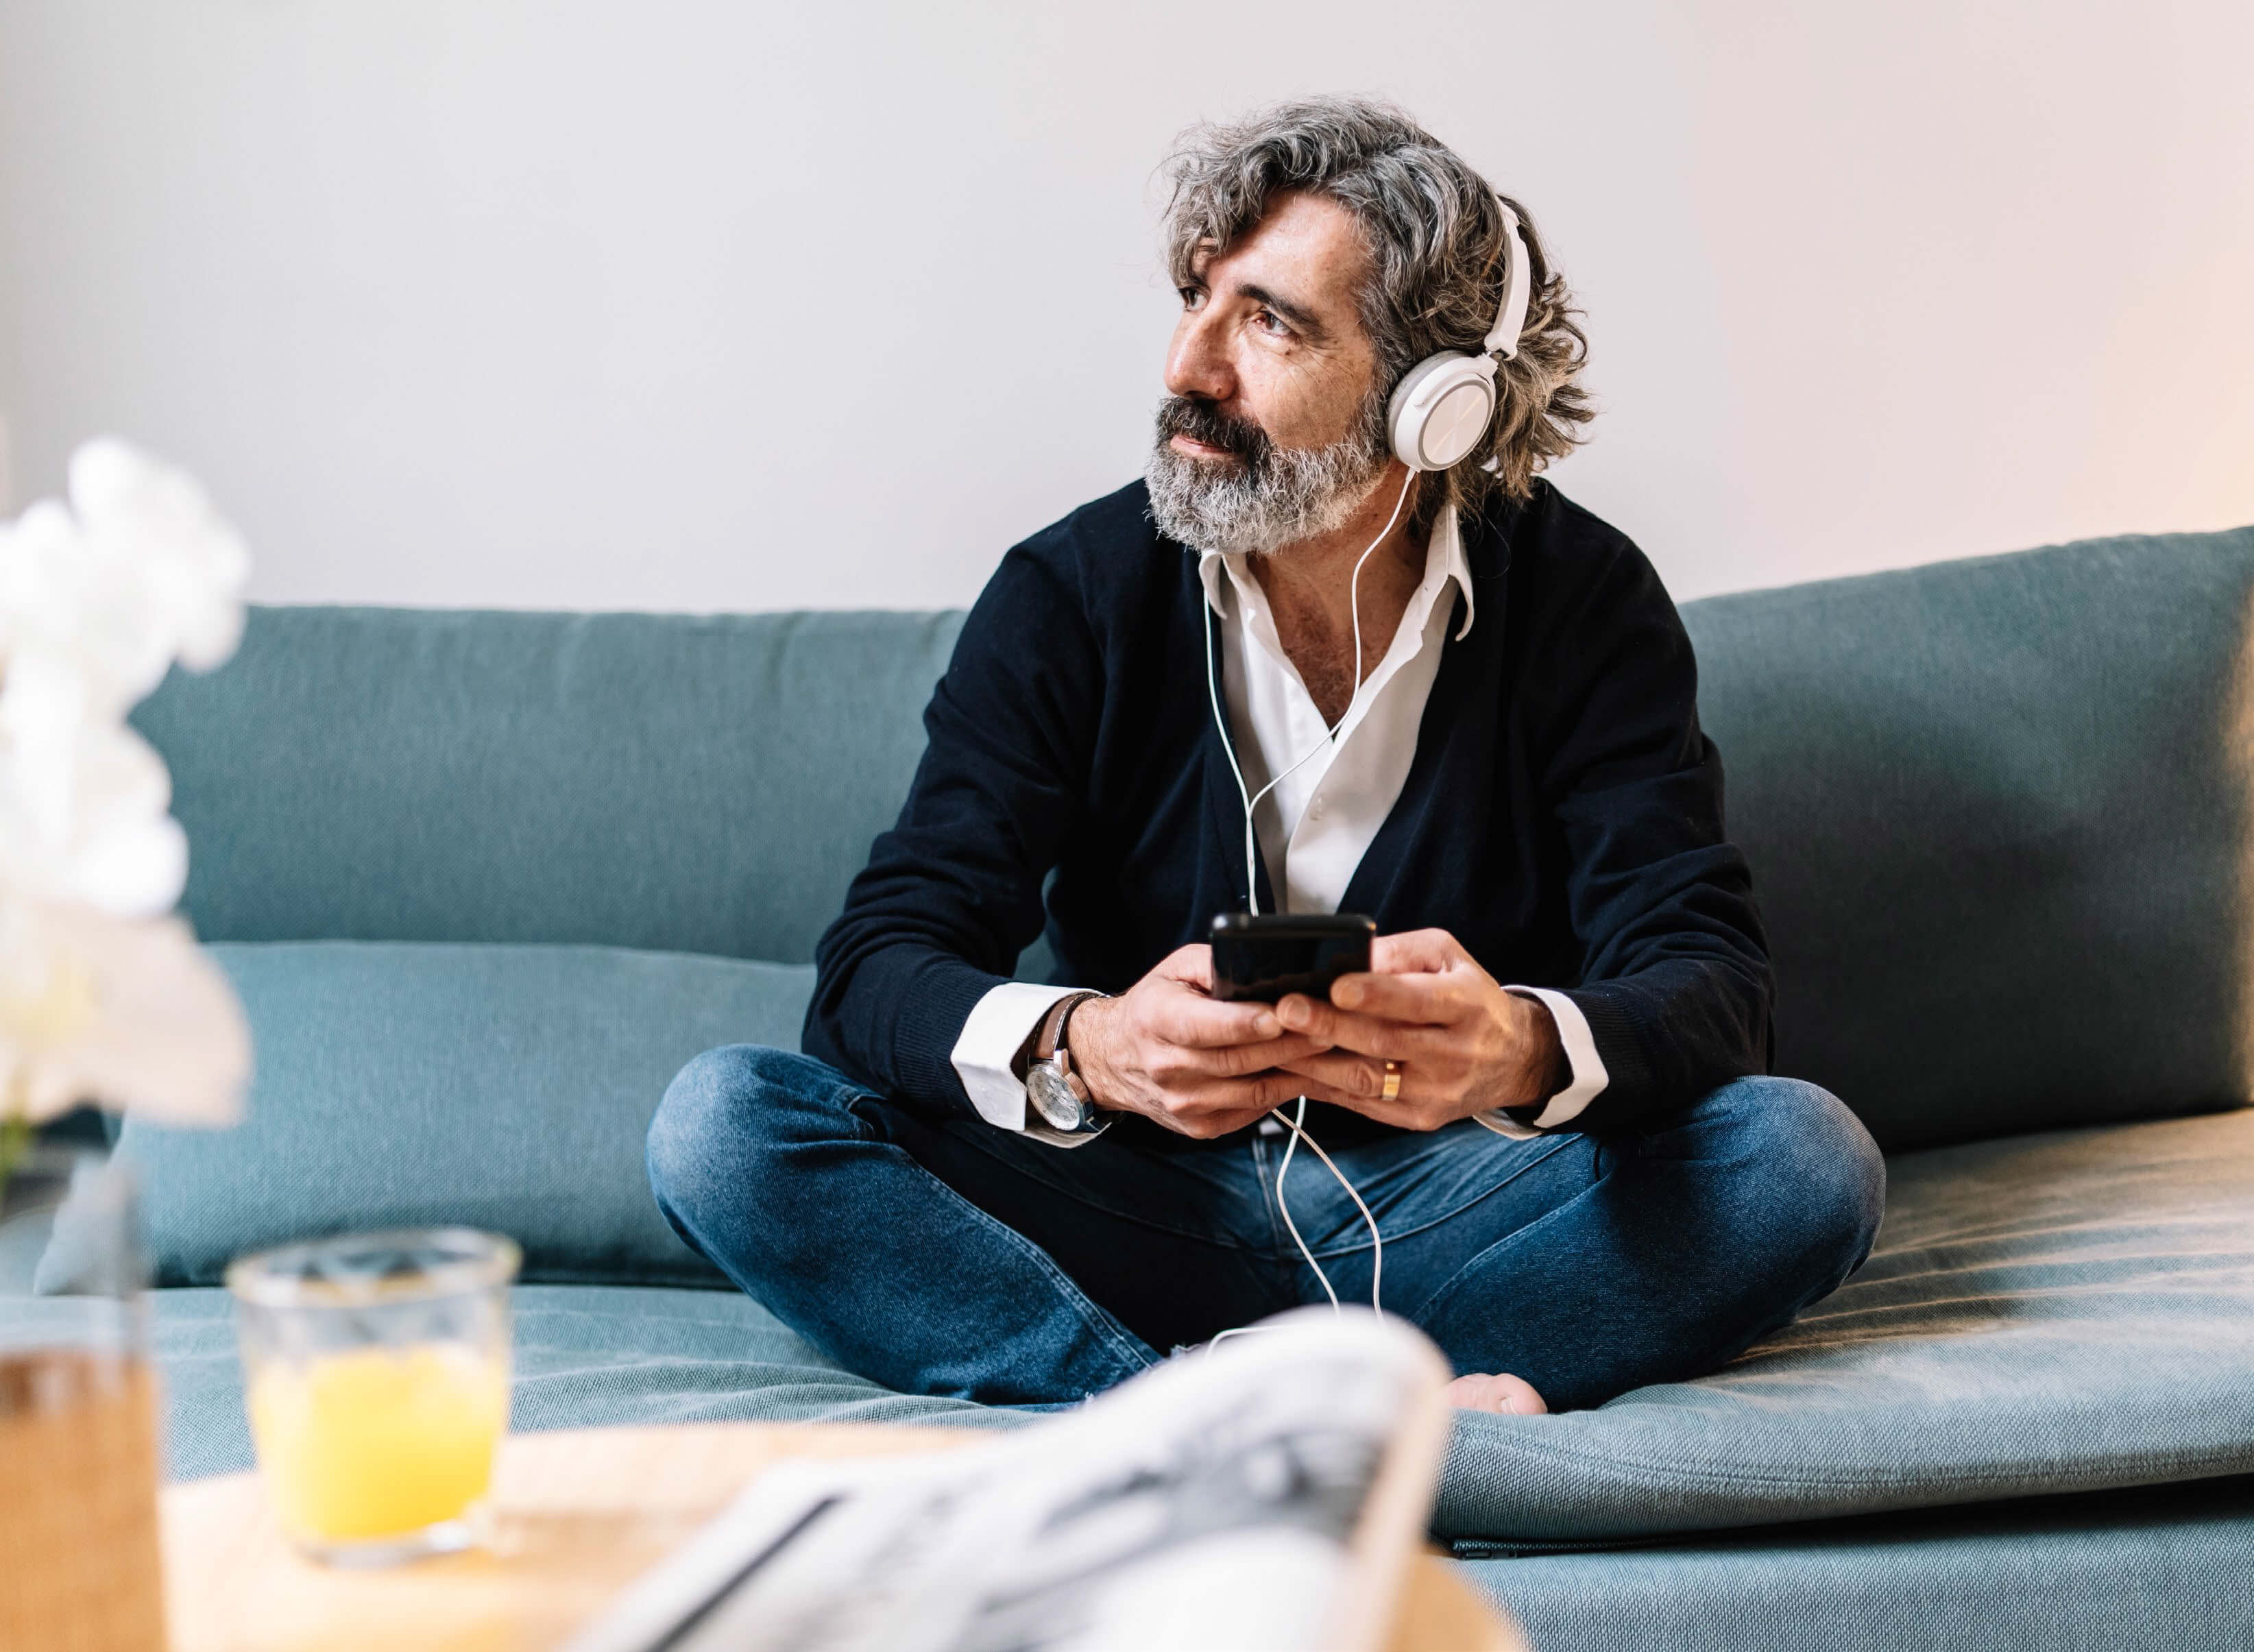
(1511, 1396)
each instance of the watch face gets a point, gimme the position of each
(1051, 1095)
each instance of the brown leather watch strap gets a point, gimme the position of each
(1050, 1033)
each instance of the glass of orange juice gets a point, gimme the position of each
(377, 1370)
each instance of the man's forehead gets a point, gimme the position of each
(1305, 249)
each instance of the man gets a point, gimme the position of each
(1580, 1180)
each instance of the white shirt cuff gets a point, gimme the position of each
(985, 1050)
(1589, 1077)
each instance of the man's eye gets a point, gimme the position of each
(1269, 322)
(1191, 297)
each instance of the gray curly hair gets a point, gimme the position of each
(1436, 240)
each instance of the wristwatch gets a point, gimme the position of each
(1057, 1093)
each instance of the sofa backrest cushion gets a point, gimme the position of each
(690, 784)
(1997, 810)
(1999, 817)
(406, 1083)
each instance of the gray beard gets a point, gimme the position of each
(1250, 506)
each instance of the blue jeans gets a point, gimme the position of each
(948, 1257)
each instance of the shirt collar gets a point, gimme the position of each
(1444, 560)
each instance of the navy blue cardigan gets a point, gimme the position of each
(1563, 818)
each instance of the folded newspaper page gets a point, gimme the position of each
(1267, 1494)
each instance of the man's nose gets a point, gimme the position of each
(1196, 365)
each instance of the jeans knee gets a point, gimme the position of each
(1813, 1178)
(722, 1115)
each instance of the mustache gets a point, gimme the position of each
(1203, 421)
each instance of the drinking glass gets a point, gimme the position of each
(377, 1371)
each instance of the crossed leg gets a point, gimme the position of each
(948, 1257)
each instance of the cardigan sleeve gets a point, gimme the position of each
(1675, 981)
(952, 895)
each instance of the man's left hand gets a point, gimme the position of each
(1462, 1045)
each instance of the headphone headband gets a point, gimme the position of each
(1517, 289)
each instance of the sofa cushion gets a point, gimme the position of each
(2057, 1313)
(693, 784)
(586, 1355)
(2162, 1569)
(1997, 809)
(1998, 817)
(505, 1087)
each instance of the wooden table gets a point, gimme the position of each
(580, 1514)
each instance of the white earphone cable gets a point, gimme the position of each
(1299, 1133)
(1213, 693)
(1297, 1126)
(1283, 1205)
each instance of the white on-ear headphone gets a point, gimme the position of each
(1442, 405)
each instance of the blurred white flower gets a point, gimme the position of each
(138, 513)
(139, 571)
(101, 998)
(82, 805)
(125, 1013)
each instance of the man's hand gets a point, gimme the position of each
(1167, 1049)
(1462, 1043)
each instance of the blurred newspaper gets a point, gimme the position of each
(1266, 1495)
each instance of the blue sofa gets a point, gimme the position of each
(485, 880)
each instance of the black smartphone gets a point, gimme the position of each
(1263, 957)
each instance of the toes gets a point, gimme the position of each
(1508, 1396)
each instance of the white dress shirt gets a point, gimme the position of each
(1314, 827)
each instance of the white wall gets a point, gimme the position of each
(591, 304)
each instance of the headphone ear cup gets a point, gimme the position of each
(1440, 409)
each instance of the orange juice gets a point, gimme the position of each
(377, 1441)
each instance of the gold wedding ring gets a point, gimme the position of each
(1392, 1082)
